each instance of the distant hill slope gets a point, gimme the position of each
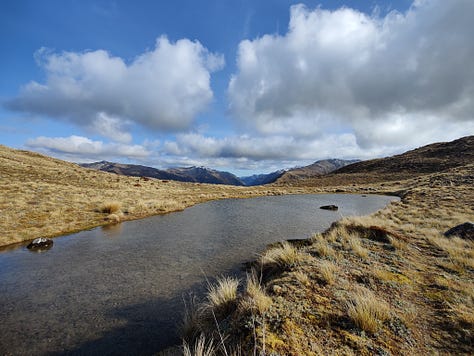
(261, 179)
(188, 174)
(436, 157)
(318, 168)
(433, 158)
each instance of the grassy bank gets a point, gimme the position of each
(389, 283)
(44, 197)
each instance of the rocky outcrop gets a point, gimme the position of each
(464, 231)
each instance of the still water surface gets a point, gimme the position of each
(119, 290)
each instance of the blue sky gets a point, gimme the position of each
(245, 86)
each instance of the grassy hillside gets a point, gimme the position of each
(437, 157)
(318, 168)
(42, 196)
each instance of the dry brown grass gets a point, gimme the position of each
(367, 311)
(322, 246)
(303, 278)
(282, 257)
(222, 295)
(110, 207)
(461, 252)
(426, 277)
(255, 299)
(201, 347)
(327, 271)
(352, 243)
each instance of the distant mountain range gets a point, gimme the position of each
(206, 175)
(188, 174)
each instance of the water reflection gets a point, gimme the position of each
(112, 230)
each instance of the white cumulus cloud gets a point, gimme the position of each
(404, 79)
(162, 89)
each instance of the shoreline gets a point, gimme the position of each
(105, 223)
(396, 258)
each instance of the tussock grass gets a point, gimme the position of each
(284, 257)
(303, 278)
(327, 271)
(366, 310)
(352, 242)
(255, 299)
(192, 320)
(110, 207)
(322, 246)
(222, 295)
(461, 252)
(114, 218)
(337, 232)
(201, 347)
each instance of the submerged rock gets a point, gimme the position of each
(329, 207)
(40, 243)
(464, 231)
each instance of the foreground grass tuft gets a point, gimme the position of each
(201, 347)
(222, 295)
(367, 311)
(284, 257)
(255, 300)
(327, 271)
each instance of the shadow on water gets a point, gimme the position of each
(140, 334)
(146, 328)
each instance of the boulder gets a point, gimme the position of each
(329, 207)
(40, 243)
(464, 231)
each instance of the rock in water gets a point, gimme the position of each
(464, 231)
(40, 243)
(329, 207)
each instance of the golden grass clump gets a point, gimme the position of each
(283, 257)
(327, 271)
(110, 207)
(223, 294)
(302, 278)
(322, 246)
(256, 300)
(201, 347)
(338, 232)
(461, 252)
(352, 242)
(367, 311)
